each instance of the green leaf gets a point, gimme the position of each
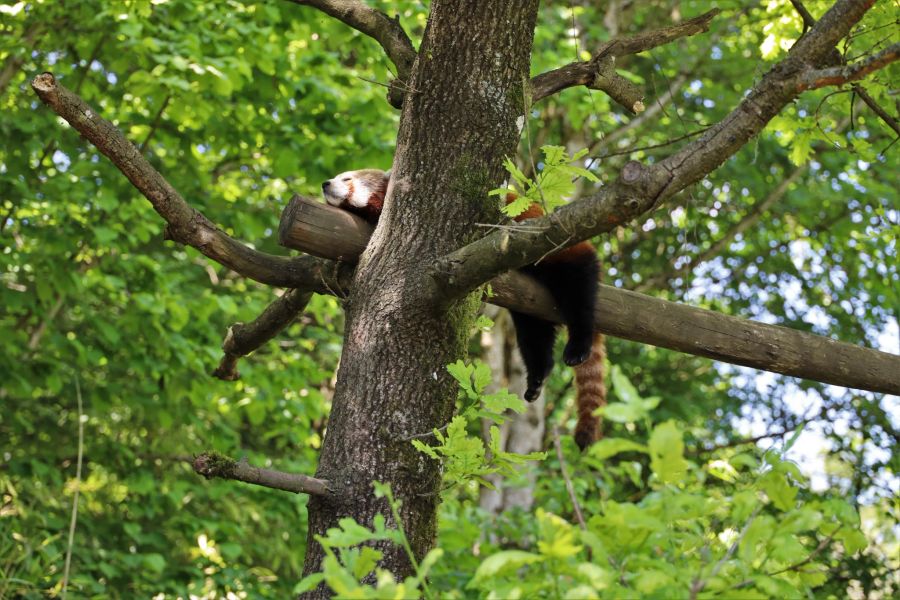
(667, 452)
(778, 489)
(608, 447)
(502, 561)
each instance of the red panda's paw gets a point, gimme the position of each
(577, 351)
(533, 391)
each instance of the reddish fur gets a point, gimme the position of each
(591, 387)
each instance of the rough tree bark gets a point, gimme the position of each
(458, 122)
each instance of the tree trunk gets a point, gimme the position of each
(459, 120)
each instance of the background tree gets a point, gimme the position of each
(83, 292)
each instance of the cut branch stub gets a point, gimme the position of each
(304, 220)
(642, 318)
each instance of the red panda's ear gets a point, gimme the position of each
(387, 174)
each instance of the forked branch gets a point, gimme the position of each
(599, 72)
(818, 78)
(243, 338)
(380, 27)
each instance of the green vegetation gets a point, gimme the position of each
(106, 326)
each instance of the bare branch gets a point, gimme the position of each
(653, 109)
(877, 109)
(242, 339)
(213, 464)
(796, 566)
(381, 28)
(639, 188)
(817, 78)
(185, 224)
(569, 487)
(808, 20)
(751, 440)
(756, 212)
(648, 320)
(597, 72)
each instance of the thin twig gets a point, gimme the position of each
(652, 146)
(154, 124)
(752, 440)
(565, 473)
(425, 435)
(698, 583)
(74, 519)
(812, 555)
(876, 108)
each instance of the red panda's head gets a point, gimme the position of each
(359, 191)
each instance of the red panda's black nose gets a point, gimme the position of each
(326, 185)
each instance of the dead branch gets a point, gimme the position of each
(877, 108)
(817, 78)
(241, 339)
(213, 464)
(598, 72)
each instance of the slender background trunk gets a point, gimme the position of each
(459, 121)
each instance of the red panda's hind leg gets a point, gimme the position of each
(535, 339)
(573, 284)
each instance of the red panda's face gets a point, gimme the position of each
(356, 188)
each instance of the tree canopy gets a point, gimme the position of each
(110, 333)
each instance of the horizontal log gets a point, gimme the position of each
(328, 232)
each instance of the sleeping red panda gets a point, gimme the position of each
(571, 275)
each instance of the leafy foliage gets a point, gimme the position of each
(551, 186)
(732, 524)
(463, 456)
(241, 103)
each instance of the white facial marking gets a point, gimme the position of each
(338, 189)
(361, 193)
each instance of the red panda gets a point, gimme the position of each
(571, 275)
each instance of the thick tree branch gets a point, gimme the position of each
(639, 188)
(185, 224)
(641, 318)
(241, 339)
(382, 29)
(213, 464)
(599, 72)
